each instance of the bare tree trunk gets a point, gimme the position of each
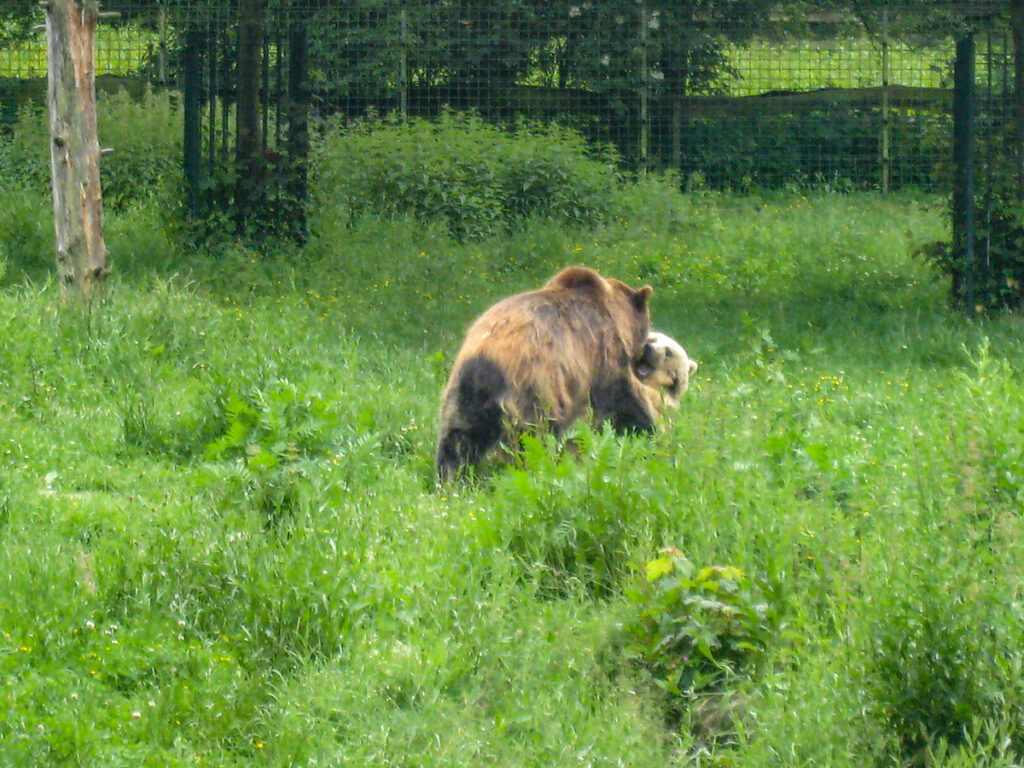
(1017, 28)
(74, 145)
(249, 149)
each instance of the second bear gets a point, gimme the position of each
(665, 367)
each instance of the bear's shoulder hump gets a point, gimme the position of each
(576, 278)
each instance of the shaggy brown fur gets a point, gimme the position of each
(539, 360)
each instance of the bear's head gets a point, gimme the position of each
(664, 365)
(633, 312)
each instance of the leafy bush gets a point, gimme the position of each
(137, 245)
(945, 655)
(476, 178)
(573, 515)
(146, 141)
(566, 524)
(694, 628)
(785, 149)
(995, 279)
(145, 138)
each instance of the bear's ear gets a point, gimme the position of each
(640, 297)
(691, 365)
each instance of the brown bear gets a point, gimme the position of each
(539, 360)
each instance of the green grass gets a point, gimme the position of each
(220, 544)
(842, 63)
(120, 50)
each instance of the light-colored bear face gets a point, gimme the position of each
(665, 366)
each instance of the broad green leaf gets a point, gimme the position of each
(658, 568)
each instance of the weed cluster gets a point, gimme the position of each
(574, 525)
(142, 139)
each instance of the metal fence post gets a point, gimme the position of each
(298, 118)
(403, 65)
(963, 161)
(885, 102)
(193, 65)
(645, 126)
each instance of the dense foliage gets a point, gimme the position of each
(476, 178)
(986, 267)
(140, 143)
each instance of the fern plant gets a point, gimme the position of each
(269, 436)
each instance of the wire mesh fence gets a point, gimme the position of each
(732, 94)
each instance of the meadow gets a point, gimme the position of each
(221, 543)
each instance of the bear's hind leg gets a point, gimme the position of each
(473, 418)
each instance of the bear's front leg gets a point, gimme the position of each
(627, 403)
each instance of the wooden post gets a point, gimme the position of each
(74, 144)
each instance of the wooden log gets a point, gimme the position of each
(74, 145)
(899, 96)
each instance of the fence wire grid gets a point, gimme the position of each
(730, 95)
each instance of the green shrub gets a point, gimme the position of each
(785, 149)
(145, 138)
(476, 178)
(137, 244)
(269, 435)
(994, 280)
(24, 149)
(694, 628)
(26, 231)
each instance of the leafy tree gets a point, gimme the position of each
(16, 19)
(480, 47)
(675, 47)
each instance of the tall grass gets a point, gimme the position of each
(220, 543)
